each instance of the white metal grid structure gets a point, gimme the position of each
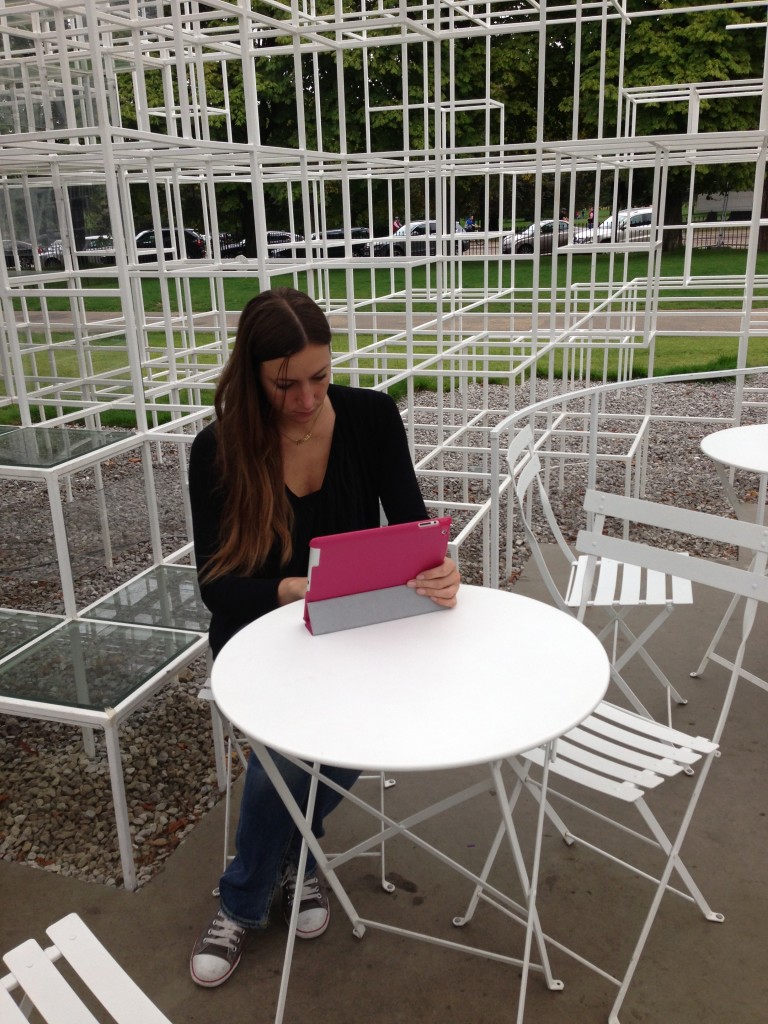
(279, 122)
(155, 112)
(160, 161)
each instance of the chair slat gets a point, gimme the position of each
(624, 791)
(660, 766)
(656, 587)
(680, 520)
(732, 579)
(637, 723)
(114, 989)
(576, 582)
(622, 735)
(10, 1012)
(54, 1000)
(631, 585)
(613, 769)
(682, 590)
(605, 588)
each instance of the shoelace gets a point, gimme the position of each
(224, 932)
(310, 890)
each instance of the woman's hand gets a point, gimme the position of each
(440, 584)
(291, 588)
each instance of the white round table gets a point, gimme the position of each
(741, 448)
(495, 676)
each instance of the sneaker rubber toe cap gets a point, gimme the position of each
(312, 923)
(210, 971)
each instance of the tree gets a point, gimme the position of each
(687, 46)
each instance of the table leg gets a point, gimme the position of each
(124, 840)
(527, 915)
(303, 822)
(292, 924)
(103, 517)
(529, 884)
(62, 546)
(507, 804)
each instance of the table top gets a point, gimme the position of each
(741, 447)
(90, 665)
(19, 627)
(165, 595)
(496, 675)
(45, 447)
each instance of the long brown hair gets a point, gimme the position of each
(275, 324)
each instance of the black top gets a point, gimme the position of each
(369, 462)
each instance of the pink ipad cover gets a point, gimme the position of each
(358, 578)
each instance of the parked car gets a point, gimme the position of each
(628, 226)
(19, 257)
(52, 258)
(418, 231)
(525, 241)
(192, 243)
(282, 245)
(230, 245)
(97, 251)
(338, 251)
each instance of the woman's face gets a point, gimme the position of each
(296, 387)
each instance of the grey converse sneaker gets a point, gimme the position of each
(217, 952)
(314, 910)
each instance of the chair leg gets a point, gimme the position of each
(466, 917)
(233, 746)
(672, 863)
(717, 637)
(637, 647)
(384, 785)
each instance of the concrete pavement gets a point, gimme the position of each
(693, 971)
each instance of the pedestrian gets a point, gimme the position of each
(290, 456)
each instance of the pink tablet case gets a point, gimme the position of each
(359, 578)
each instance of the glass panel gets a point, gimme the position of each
(91, 665)
(19, 627)
(166, 596)
(43, 447)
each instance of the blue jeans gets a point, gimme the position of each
(267, 838)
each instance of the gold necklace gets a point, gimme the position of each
(303, 440)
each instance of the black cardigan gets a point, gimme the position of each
(369, 462)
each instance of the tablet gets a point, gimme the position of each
(359, 578)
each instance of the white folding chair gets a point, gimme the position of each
(750, 583)
(615, 587)
(36, 983)
(619, 755)
(625, 757)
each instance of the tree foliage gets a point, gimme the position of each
(687, 46)
(665, 42)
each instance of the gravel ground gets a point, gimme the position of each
(55, 804)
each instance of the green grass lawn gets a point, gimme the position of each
(690, 354)
(715, 264)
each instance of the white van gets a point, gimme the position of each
(631, 226)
